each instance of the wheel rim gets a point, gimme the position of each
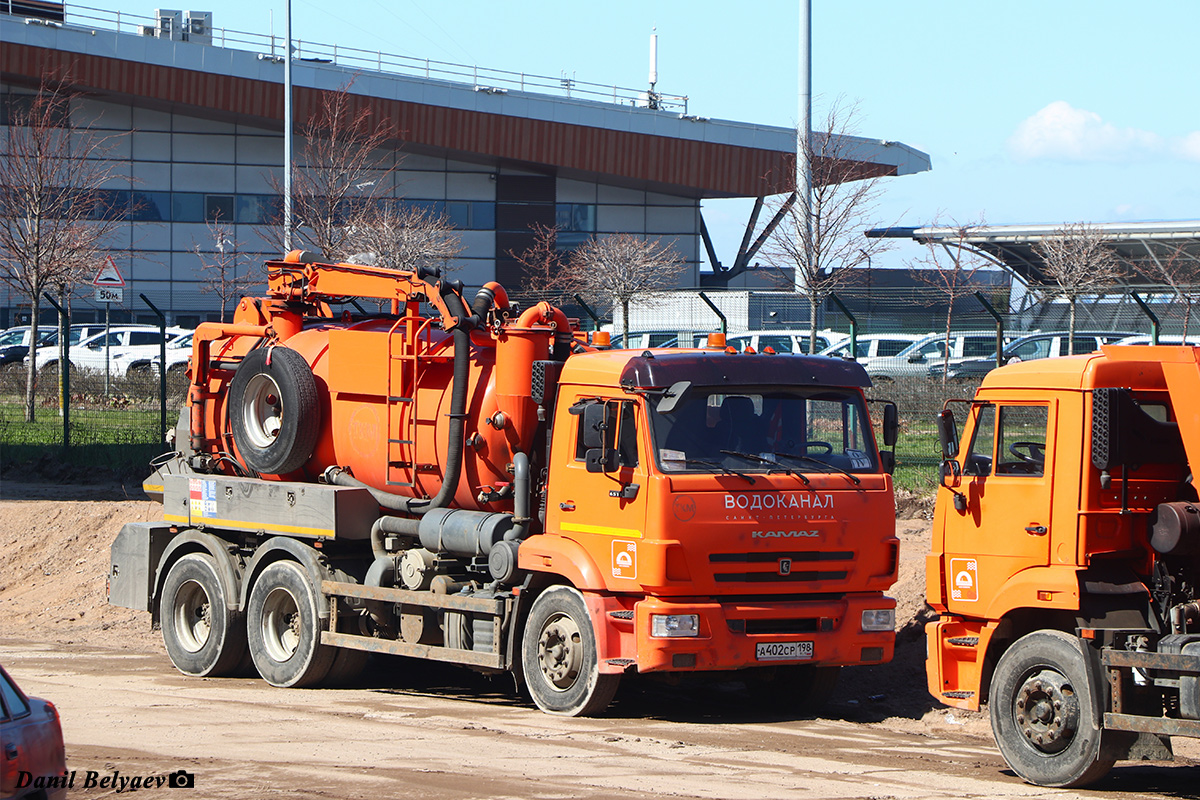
(281, 625)
(262, 412)
(1046, 711)
(192, 617)
(560, 652)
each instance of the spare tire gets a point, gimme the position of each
(274, 410)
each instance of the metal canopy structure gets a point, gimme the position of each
(1138, 245)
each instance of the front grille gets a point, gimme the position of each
(761, 626)
(785, 564)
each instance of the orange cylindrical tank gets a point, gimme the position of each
(384, 398)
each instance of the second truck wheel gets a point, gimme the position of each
(202, 636)
(284, 628)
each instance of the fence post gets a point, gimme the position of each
(64, 374)
(983, 301)
(853, 326)
(162, 366)
(1153, 317)
(589, 311)
(717, 311)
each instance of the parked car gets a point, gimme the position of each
(1193, 339)
(914, 360)
(1028, 348)
(126, 344)
(640, 340)
(795, 341)
(32, 739)
(179, 355)
(873, 345)
(14, 342)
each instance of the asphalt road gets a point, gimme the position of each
(418, 730)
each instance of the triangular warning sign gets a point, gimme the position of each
(108, 275)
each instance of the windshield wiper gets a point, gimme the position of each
(829, 467)
(714, 465)
(771, 461)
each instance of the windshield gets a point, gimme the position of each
(763, 429)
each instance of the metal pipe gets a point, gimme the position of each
(287, 131)
(983, 301)
(853, 326)
(64, 353)
(717, 311)
(521, 492)
(1153, 317)
(162, 364)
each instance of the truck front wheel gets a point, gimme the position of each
(1044, 714)
(284, 628)
(560, 659)
(202, 636)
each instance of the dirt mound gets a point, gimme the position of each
(55, 543)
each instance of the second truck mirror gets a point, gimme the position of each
(595, 423)
(947, 433)
(891, 425)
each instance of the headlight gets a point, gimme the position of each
(879, 619)
(670, 626)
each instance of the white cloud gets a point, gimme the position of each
(1063, 132)
(1188, 147)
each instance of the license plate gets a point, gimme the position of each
(783, 651)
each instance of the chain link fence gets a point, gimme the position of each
(119, 426)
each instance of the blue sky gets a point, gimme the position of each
(1031, 111)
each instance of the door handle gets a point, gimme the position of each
(11, 751)
(567, 506)
(1036, 530)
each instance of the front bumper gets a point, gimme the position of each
(730, 634)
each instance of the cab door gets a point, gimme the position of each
(1007, 482)
(599, 492)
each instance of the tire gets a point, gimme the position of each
(202, 636)
(1045, 687)
(559, 656)
(347, 665)
(274, 410)
(284, 628)
(803, 689)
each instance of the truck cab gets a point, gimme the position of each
(1063, 561)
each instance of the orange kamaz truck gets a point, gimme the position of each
(480, 485)
(1066, 560)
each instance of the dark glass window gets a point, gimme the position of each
(187, 207)
(218, 208)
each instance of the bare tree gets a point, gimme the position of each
(814, 246)
(219, 266)
(399, 235)
(1079, 263)
(948, 268)
(53, 225)
(1179, 272)
(544, 266)
(341, 175)
(622, 266)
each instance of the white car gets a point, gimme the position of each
(179, 355)
(126, 345)
(873, 345)
(793, 341)
(915, 359)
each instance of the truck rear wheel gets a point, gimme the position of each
(1044, 713)
(202, 636)
(560, 659)
(284, 628)
(273, 410)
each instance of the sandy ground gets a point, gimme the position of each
(414, 729)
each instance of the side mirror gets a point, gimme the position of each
(891, 425)
(887, 461)
(595, 423)
(947, 434)
(950, 474)
(600, 460)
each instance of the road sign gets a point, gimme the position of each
(107, 294)
(108, 275)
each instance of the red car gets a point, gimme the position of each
(34, 760)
